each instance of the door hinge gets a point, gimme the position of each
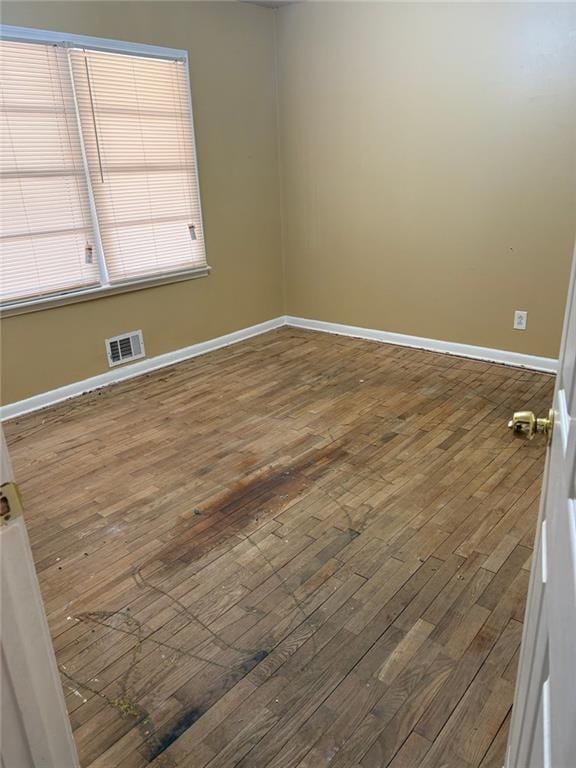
(10, 503)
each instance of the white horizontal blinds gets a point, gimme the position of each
(44, 214)
(137, 130)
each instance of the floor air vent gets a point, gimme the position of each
(121, 349)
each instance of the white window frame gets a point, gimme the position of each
(28, 35)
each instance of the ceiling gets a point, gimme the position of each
(271, 3)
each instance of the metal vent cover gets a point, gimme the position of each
(128, 346)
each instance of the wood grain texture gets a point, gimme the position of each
(301, 551)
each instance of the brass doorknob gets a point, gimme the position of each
(525, 424)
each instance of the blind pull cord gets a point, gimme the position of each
(93, 117)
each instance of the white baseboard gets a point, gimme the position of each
(547, 364)
(54, 396)
(12, 410)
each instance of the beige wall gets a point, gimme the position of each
(231, 48)
(428, 164)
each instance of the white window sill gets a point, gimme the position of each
(89, 294)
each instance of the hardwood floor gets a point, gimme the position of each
(303, 550)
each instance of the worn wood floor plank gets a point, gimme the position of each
(301, 551)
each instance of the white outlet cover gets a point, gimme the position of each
(520, 319)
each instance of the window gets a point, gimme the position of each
(98, 182)
(45, 216)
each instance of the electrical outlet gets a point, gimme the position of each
(520, 319)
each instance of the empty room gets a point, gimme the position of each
(288, 385)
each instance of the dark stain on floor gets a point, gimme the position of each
(264, 493)
(163, 739)
(174, 731)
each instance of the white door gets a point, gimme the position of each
(543, 728)
(34, 726)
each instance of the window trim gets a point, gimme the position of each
(102, 291)
(49, 37)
